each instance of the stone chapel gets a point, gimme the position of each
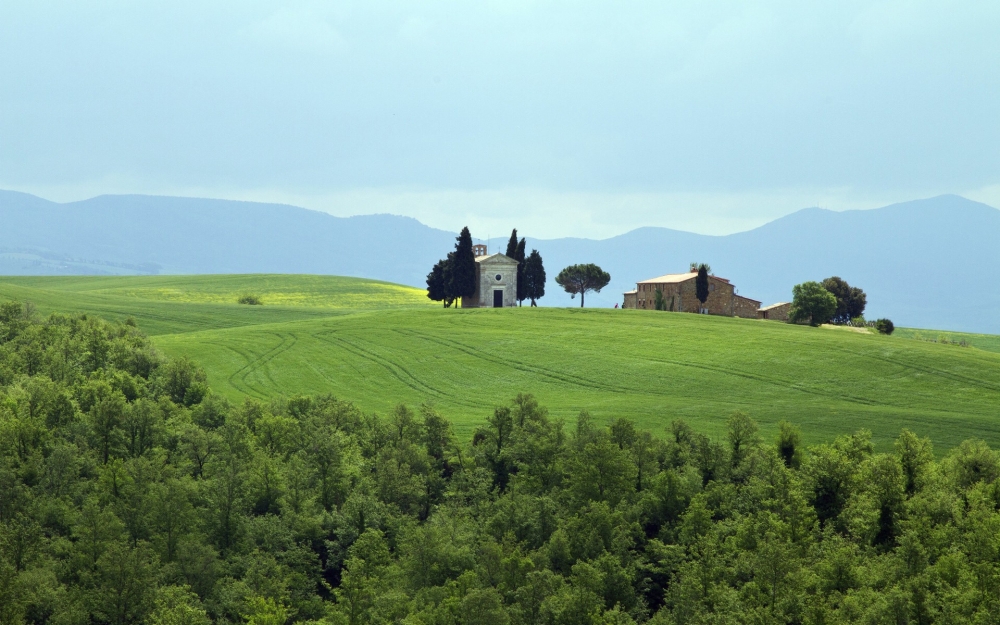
(496, 281)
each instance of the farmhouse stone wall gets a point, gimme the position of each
(745, 307)
(683, 296)
(680, 294)
(775, 312)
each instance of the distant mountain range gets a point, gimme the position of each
(931, 263)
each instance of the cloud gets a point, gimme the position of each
(570, 118)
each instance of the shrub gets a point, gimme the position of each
(250, 299)
(884, 326)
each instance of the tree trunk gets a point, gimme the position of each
(581, 298)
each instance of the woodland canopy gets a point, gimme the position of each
(130, 493)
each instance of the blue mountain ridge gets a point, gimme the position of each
(931, 263)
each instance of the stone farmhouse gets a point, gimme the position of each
(680, 295)
(496, 281)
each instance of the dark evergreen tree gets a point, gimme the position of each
(512, 244)
(851, 301)
(534, 277)
(437, 289)
(578, 279)
(701, 284)
(449, 271)
(462, 282)
(522, 292)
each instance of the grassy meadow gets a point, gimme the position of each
(378, 344)
(988, 342)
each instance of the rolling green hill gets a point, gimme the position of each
(379, 344)
(988, 342)
(178, 304)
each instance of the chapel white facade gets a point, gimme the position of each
(496, 282)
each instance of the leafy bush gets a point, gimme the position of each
(250, 299)
(884, 326)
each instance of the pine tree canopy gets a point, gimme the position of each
(578, 279)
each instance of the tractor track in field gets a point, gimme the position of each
(286, 342)
(396, 370)
(768, 380)
(239, 385)
(248, 358)
(949, 375)
(933, 371)
(583, 382)
(534, 370)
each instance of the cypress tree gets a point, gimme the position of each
(462, 282)
(519, 257)
(701, 284)
(449, 272)
(512, 244)
(534, 277)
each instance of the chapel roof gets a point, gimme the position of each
(496, 258)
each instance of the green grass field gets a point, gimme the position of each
(988, 342)
(378, 344)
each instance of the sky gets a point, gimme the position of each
(560, 118)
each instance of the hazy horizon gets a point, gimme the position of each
(569, 119)
(485, 236)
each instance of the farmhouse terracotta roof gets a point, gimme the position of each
(675, 278)
(632, 292)
(749, 299)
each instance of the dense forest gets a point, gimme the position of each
(129, 493)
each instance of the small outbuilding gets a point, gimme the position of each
(776, 312)
(496, 282)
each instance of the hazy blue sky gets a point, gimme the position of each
(563, 118)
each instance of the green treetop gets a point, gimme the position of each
(811, 303)
(578, 279)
